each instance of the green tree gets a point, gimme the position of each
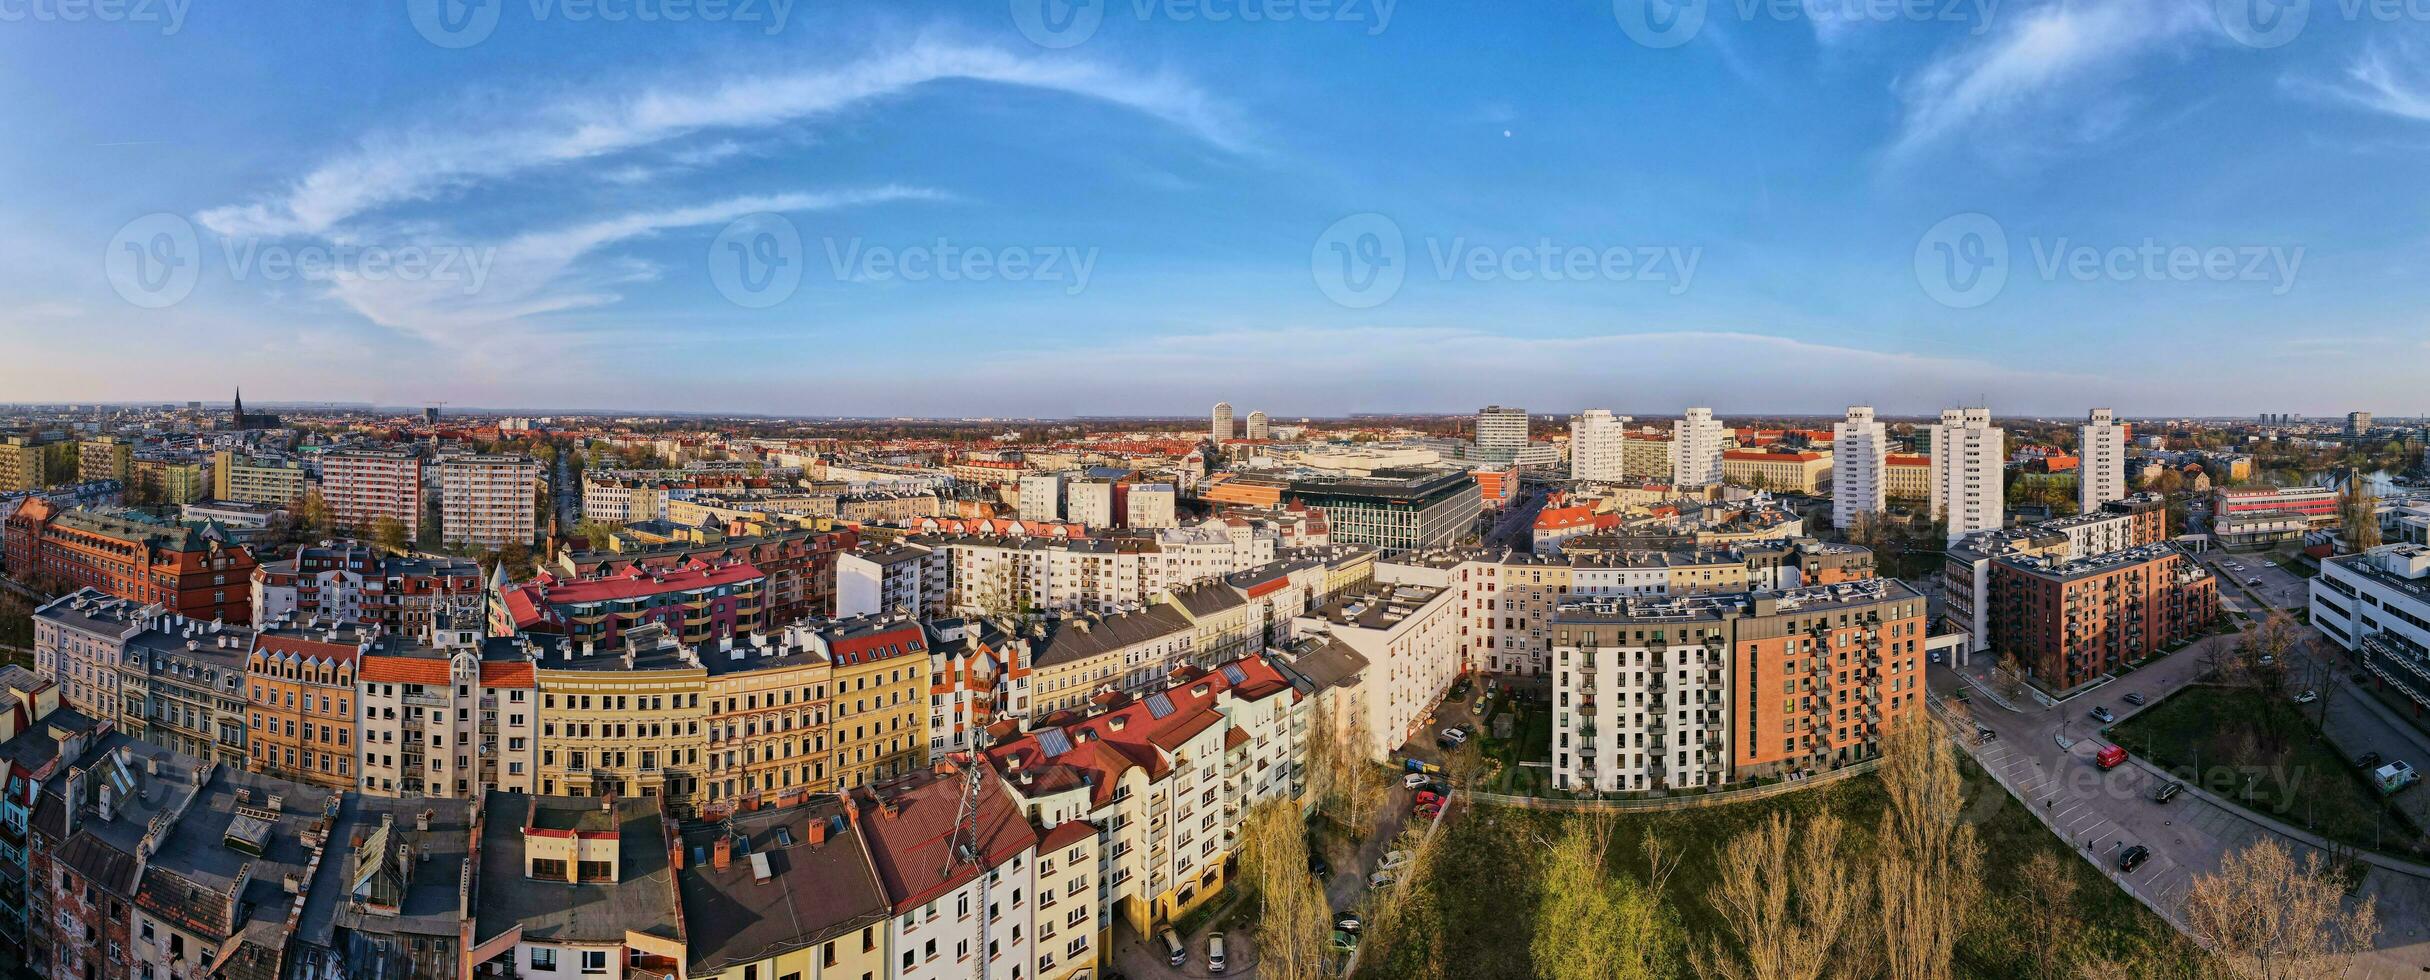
(389, 534)
(312, 517)
(1594, 925)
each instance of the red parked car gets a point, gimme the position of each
(2110, 757)
(1428, 798)
(1427, 812)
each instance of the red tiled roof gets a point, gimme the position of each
(426, 671)
(881, 645)
(308, 648)
(506, 674)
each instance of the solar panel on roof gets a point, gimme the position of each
(1233, 673)
(1053, 742)
(1159, 705)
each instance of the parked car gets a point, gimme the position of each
(2368, 760)
(1345, 942)
(2167, 792)
(1456, 733)
(1349, 922)
(1176, 952)
(2111, 757)
(1982, 735)
(2135, 699)
(2395, 776)
(1318, 866)
(2102, 714)
(1416, 780)
(1428, 798)
(1393, 859)
(2252, 581)
(2133, 857)
(1215, 962)
(2307, 697)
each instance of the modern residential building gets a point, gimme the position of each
(488, 501)
(1093, 502)
(1967, 581)
(1968, 456)
(1041, 496)
(194, 573)
(1860, 460)
(2070, 621)
(799, 564)
(1220, 426)
(1647, 457)
(1678, 692)
(1697, 442)
(363, 486)
(1408, 636)
(905, 577)
(1598, 443)
(1257, 427)
(697, 602)
(2101, 451)
(1151, 505)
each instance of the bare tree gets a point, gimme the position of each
(1294, 918)
(1787, 899)
(1930, 869)
(2268, 916)
(2050, 895)
(1593, 925)
(2358, 510)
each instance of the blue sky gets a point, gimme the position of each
(2179, 213)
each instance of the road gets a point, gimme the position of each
(2279, 588)
(2104, 813)
(1516, 528)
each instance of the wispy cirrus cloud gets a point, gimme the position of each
(2388, 76)
(392, 168)
(2051, 70)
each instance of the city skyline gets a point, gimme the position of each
(2181, 219)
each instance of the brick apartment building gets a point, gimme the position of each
(2071, 620)
(185, 571)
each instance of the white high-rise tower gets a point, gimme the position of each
(1222, 427)
(1257, 425)
(1860, 453)
(1697, 442)
(2101, 449)
(1968, 458)
(1597, 449)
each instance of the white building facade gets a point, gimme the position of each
(1860, 454)
(2101, 454)
(1968, 456)
(1597, 446)
(1697, 442)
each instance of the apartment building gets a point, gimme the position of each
(978, 672)
(105, 458)
(488, 501)
(2101, 451)
(1150, 794)
(363, 486)
(349, 582)
(1041, 496)
(573, 887)
(800, 565)
(907, 578)
(1408, 635)
(879, 697)
(1966, 578)
(182, 687)
(95, 826)
(626, 719)
(768, 731)
(2070, 621)
(697, 602)
(1075, 658)
(1151, 505)
(784, 892)
(448, 715)
(300, 692)
(1646, 456)
(171, 480)
(1860, 460)
(1968, 459)
(1598, 446)
(189, 572)
(1256, 429)
(278, 482)
(1092, 502)
(224, 882)
(1690, 691)
(963, 894)
(1697, 442)
(1220, 423)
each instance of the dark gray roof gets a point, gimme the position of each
(643, 900)
(813, 892)
(1084, 637)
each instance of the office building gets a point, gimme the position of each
(2377, 606)
(1697, 442)
(1395, 509)
(1598, 442)
(1968, 460)
(1860, 458)
(2101, 454)
(1501, 434)
(488, 501)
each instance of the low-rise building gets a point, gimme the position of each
(573, 887)
(784, 892)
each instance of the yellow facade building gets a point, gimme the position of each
(877, 697)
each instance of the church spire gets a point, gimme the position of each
(240, 407)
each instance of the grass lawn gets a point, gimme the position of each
(1530, 741)
(1487, 896)
(2217, 738)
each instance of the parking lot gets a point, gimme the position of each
(2277, 588)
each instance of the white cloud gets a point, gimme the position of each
(2386, 77)
(2053, 68)
(391, 168)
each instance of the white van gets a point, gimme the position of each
(1172, 945)
(1215, 953)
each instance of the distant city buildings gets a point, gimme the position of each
(1501, 434)
(1697, 443)
(1220, 426)
(363, 487)
(1257, 427)
(1598, 442)
(2101, 451)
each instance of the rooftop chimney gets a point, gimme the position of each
(721, 854)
